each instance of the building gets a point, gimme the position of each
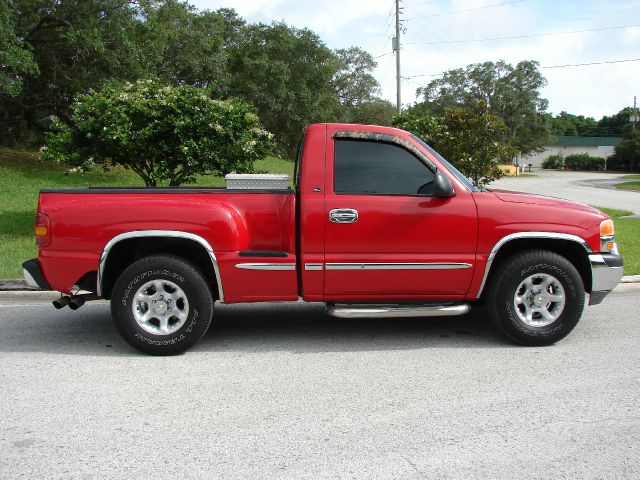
(602, 147)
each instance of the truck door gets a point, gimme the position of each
(386, 236)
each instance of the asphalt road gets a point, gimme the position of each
(592, 188)
(286, 392)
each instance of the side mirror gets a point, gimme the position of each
(442, 186)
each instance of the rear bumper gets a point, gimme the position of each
(606, 272)
(33, 275)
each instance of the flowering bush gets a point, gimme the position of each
(162, 133)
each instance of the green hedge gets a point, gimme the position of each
(554, 162)
(584, 161)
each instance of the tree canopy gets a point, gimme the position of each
(54, 51)
(162, 133)
(468, 138)
(510, 93)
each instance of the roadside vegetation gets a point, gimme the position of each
(628, 186)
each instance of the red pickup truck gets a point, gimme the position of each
(378, 224)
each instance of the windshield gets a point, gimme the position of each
(448, 165)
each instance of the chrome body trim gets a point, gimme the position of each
(398, 266)
(519, 235)
(604, 277)
(266, 266)
(313, 266)
(395, 311)
(343, 215)
(158, 233)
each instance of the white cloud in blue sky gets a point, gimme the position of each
(589, 90)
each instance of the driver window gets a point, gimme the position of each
(369, 167)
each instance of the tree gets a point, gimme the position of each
(617, 125)
(627, 155)
(375, 111)
(572, 125)
(185, 47)
(76, 45)
(510, 93)
(162, 133)
(16, 61)
(353, 80)
(468, 138)
(286, 73)
(358, 89)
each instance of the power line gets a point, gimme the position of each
(524, 36)
(593, 63)
(423, 3)
(542, 66)
(468, 9)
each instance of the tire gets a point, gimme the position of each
(536, 297)
(162, 305)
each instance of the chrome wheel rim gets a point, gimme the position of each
(160, 307)
(539, 300)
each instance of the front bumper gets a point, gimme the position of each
(33, 275)
(606, 272)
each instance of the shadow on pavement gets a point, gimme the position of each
(292, 327)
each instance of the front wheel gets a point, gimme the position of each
(162, 305)
(536, 297)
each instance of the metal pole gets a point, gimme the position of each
(633, 134)
(635, 115)
(397, 50)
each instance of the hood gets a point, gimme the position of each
(530, 198)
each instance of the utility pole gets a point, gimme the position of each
(635, 116)
(633, 133)
(395, 45)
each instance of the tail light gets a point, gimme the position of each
(42, 230)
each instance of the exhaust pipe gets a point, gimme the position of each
(76, 302)
(61, 302)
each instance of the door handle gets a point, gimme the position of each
(343, 215)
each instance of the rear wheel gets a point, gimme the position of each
(536, 298)
(162, 305)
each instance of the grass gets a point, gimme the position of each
(635, 175)
(22, 176)
(627, 234)
(628, 186)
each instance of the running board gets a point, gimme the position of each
(372, 310)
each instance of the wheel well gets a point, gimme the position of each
(570, 250)
(124, 253)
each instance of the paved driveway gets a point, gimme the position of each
(590, 188)
(287, 392)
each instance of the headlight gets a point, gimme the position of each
(607, 237)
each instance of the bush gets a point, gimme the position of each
(626, 151)
(553, 162)
(583, 161)
(162, 133)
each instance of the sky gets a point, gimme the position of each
(436, 37)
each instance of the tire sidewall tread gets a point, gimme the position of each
(182, 273)
(511, 272)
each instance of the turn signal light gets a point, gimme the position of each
(606, 228)
(42, 230)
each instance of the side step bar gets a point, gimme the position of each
(373, 310)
